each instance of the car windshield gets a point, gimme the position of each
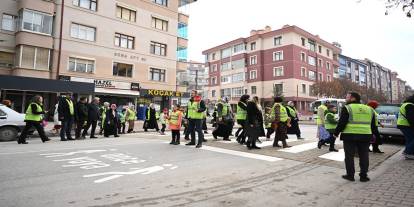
(388, 110)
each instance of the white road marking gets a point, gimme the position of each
(300, 148)
(242, 154)
(336, 156)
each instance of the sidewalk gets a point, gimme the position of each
(392, 185)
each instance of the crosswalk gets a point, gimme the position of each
(298, 148)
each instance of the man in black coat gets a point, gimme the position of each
(81, 116)
(66, 113)
(93, 116)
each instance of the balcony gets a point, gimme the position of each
(185, 2)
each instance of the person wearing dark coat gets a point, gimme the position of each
(151, 119)
(253, 130)
(294, 120)
(111, 122)
(66, 114)
(93, 116)
(224, 127)
(81, 117)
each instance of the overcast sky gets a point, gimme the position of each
(361, 28)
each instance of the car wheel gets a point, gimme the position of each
(8, 134)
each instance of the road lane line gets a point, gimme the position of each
(336, 156)
(300, 148)
(241, 154)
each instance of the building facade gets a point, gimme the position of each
(194, 78)
(379, 78)
(398, 89)
(353, 70)
(286, 62)
(129, 50)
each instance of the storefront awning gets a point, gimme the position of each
(44, 85)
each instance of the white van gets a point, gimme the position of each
(11, 123)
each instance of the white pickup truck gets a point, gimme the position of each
(11, 123)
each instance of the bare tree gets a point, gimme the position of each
(406, 5)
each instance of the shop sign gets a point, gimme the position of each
(154, 92)
(104, 84)
(134, 86)
(108, 84)
(129, 56)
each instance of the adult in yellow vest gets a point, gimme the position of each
(282, 121)
(356, 125)
(130, 117)
(406, 125)
(241, 116)
(103, 110)
(151, 119)
(195, 110)
(224, 127)
(66, 113)
(33, 118)
(294, 117)
(320, 118)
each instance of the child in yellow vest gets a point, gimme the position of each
(175, 120)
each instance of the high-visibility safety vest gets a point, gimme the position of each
(122, 117)
(402, 115)
(131, 115)
(360, 117)
(147, 117)
(329, 125)
(174, 117)
(193, 110)
(241, 114)
(103, 115)
(292, 111)
(30, 116)
(71, 108)
(318, 119)
(283, 112)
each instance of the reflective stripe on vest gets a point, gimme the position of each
(33, 117)
(193, 110)
(360, 117)
(71, 109)
(241, 114)
(283, 112)
(402, 115)
(329, 125)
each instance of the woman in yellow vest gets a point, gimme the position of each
(406, 125)
(281, 121)
(175, 120)
(130, 117)
(33, 118)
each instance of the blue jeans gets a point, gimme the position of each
(195, 125)
(409, 140)
(66, 128)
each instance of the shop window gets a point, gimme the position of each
(122, 70)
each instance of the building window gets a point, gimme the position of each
(237, 92)
(213, 81)
(125, 13)
(320, 78)
(278, 71)
(81, 65)
(182, 54)
(122, 70)
(303, 72)
(253, 60)
(277, 41)
(328, 52)
(278, 89)
(159, 24)
(157, 75)
(253, 46)
(312, 45)
(277, 56)
(34, 57)
(86, 4)
(6, 59)
(161, 2)
(303, 41)
(254, 89)
(7, 22)
(36, 21)
(320, 63)
(304, 88)
(158, 49)
(253, 74)
(124, 41)
(225, 66)
(328, 66)
(328, 78)
(312, 75)
(213, 56)
(225, 53)
(82, 32)
(302, 57)
(239, 48)
(320, 49)
(182, 30)
(213, 93)
(238, 77)
(312, 61)
(214, 68)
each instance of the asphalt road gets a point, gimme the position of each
(144, 170)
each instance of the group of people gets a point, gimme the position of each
(83, 115)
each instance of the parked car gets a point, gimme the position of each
(388, 115)
(11, 123)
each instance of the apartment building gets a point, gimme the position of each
(379, 78)
(398, 89)
(286, 62)
(194, 78)
(352, 69)
(123, 51)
